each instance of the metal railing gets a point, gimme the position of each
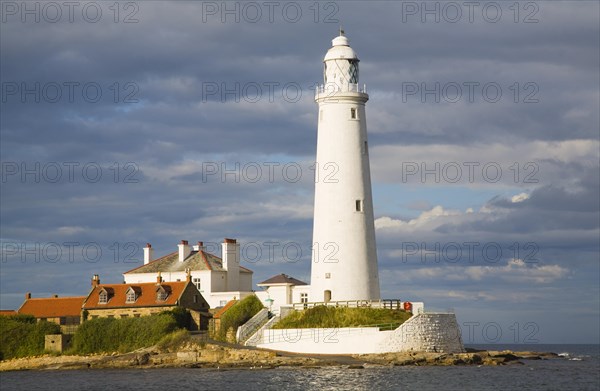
(393, 304)
(332, 88)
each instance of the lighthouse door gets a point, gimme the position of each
(327, 296)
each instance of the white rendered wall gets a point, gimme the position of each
(297, 290)
(424, 332)
(344, 238)
(245, 282)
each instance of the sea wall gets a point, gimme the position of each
(426, 332)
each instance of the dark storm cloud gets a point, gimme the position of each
(169, 126)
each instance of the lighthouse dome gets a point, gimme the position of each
(340, 49)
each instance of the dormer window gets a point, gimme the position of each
(161, 296)
(103, 297)
(162, 292)
(131, 296)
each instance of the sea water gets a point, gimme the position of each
(578, 368)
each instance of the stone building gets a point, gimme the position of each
(64, 311)
(142, 299)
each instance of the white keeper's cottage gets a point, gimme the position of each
(218, 279)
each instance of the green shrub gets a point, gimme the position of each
(182, 316)
(105, 335)
(21, 336)
(171, 342)
(237, 315)
(329, 317)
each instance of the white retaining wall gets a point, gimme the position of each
(423, 332)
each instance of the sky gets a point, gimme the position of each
(151, 122)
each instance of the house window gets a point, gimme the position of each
(123, 315)
(196, 281)
(222, 303)
(327, 275)
(161, 295)
(353, 113)
(195, 298)
(103, 298)
(359, 205)
(136, 315)
(131, 296)
(303, 297)
(63, 320)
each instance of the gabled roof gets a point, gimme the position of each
(197, 260)
(146, 295)
(224, 309)
(282, 279)
(52, 307)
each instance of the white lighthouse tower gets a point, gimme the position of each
(344, 259)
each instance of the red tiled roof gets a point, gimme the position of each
(224, 309)
(146, 295)
(52, 307)
(7, 312)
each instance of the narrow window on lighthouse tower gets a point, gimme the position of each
(353, 113)
(359, 205)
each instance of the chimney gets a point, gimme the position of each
(55, 296)
(159, 279)
(95, 280)
(27, 295)
(148, 254)
(188, 276)
(184, 250)
(200, 247)
(231, 263)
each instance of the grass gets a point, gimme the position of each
(330, 317)
(237, 315)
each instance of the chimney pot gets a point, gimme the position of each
(27, 295)
(184, 242)
(55, 296)
(95, 280)
(148, 245)
(159, 279)
(227, 240)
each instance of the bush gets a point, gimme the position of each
(237, 315)
(21, 336)
(171, 342)
(328, 317)
(105, 335)
(181, 315)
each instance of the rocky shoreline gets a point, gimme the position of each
(193, 355)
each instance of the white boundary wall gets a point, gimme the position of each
(429, 332)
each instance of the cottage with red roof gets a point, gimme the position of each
(64, 311)
(141, 299)
(218, 279)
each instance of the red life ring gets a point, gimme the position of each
(407, 306)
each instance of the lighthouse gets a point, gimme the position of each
(344, 256)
